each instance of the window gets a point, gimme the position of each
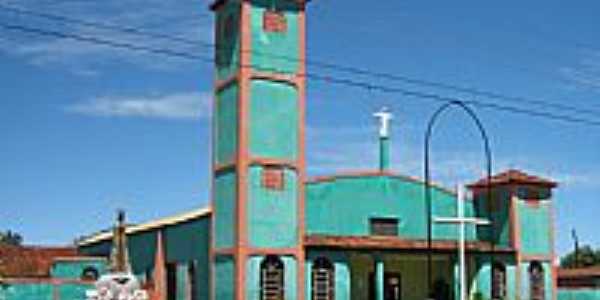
(273, 178)
(384, 226)
(536, 281)
(89, 273)
(498, 281)
(171, 281)
(323, 280)
(271, 278)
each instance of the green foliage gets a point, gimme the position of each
(10, 238)
(479, 296)
(587, 257)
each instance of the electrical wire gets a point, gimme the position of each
(325, 78)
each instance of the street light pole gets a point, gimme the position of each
(488, 156)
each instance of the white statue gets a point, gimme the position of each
(119, 283)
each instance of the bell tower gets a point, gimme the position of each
(258, 150)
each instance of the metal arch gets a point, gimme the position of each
(488, 155)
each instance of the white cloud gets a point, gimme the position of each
(169, 18)
(584, 74)
(185, 105)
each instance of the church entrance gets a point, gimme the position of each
(392, 286)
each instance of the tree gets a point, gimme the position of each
(587, 257)
(11, 238)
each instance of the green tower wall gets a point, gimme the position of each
(272, 214)
(536, 227)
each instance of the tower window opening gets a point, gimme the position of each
(323, 280)
(272, 278)
(536, 281)
(498, 281)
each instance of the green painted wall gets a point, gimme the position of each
(500, 216)
(224, 209)
(74, 269)
(73, 291)
(578, 294)
(272, 214)
(41, 291)
(224, 278)
(358, 199)
(184, 243)
(273, 120)
(253, 277)
(275, 51)
(226, 119)
(536, 228)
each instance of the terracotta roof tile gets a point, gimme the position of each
(579, 272)
(514, 177)
(22, 262)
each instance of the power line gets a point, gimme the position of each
(316, 63)
(330, 79)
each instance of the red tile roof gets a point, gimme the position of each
(24, 262)
(514, 177)
(579, 272)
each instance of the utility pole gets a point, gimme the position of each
(462, 221)
(576, 245)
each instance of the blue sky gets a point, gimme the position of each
(87, 129)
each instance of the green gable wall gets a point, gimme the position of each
(273, 120)
(345, 205)
(272, 213)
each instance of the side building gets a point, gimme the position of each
(45, 273)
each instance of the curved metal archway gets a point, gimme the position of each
(488, 156)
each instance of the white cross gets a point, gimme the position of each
(461, 221)
(384, 117)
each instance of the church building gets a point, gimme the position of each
(272, 233)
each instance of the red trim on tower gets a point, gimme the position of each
(301, 85)
(244, 76)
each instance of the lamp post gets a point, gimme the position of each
(488, 156)
(461, 220)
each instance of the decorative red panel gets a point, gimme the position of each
(273, 178)
(274, 21)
